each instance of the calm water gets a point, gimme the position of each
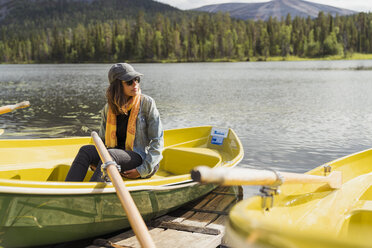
(291, 116)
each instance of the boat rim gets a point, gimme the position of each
(62, 188)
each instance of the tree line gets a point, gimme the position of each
(182, 37)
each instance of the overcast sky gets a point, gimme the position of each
(358, 5)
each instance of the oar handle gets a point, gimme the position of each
(9, 108)
(135, 219)
(245, 176)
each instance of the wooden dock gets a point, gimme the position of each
(197, 224)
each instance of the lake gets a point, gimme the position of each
(291, 116)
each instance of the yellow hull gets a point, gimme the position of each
(311, 215)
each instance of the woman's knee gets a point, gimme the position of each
(87, 149)
(89, 152)
(87, 155)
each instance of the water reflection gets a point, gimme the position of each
(289, 115)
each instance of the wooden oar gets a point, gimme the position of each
(9, 108)
(135, 219)
(241, 176)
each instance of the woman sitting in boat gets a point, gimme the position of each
(130, 128)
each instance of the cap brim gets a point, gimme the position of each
(129, 76)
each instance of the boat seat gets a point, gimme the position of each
(359, 220)
(181, 160)
(363, 206)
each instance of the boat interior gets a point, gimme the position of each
(50, 159)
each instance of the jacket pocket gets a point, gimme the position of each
(142, 122)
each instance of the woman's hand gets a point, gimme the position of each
(132, 174)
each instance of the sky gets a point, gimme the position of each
(357, 5)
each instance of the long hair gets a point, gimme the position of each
(116, 97)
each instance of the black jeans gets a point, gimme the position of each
(88, 155)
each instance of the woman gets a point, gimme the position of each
(130, 128)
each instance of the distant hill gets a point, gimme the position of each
(73, 11)
(275, 8)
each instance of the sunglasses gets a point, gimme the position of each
(137, 79)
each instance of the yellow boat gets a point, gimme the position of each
(310, 215)
(37, 207)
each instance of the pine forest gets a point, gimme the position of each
(176, 36)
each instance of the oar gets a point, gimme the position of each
(9, 108)
(242, 176)
(135, 219)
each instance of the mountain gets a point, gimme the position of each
(275, 8)
(67, 11)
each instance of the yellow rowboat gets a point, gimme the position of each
(37, 207)
(310, 214)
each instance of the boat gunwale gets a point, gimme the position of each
(87, 191)
(332, 163)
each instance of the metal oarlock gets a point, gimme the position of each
(267, 196)
(267, 192)
(104, 170)
(327, 169)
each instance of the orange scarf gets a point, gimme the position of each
(110, 136)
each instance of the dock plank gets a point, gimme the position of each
(218, 203)
(197, 224)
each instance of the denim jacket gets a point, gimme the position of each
(148, 142)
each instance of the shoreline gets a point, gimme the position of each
(354, 56)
